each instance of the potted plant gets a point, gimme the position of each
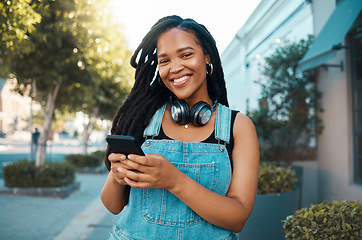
(336, 220)
(277, 197)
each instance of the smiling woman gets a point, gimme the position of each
(181, 65)
(209, 158)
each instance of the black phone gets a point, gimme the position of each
(123, 144)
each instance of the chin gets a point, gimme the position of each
(182, 96)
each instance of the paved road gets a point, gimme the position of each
(77, 217)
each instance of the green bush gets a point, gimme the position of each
(99, 155)
(275, 179)
(25, 174)
(84, 160)
(336, 220)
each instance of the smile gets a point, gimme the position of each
(177, 80)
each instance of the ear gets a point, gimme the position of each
(207, 59)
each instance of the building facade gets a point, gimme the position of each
(336, 55)
(15, 111)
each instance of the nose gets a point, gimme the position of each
(176, 66)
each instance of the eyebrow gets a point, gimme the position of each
(178, 50)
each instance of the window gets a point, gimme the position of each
(356, 63)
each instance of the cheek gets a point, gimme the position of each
(199, 65)
(162, 72)
(163, 75)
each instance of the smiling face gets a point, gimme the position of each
(182, 65)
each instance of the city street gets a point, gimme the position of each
(14, 150)
(79, 216)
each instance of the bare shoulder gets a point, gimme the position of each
(243, 125)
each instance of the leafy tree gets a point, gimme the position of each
(63, 63)
(287, 118)
(17, 20)
(110, 72)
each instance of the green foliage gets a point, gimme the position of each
(84, 160)
(336, 220)
(99, 155)
(53, 60)
(106, 58)
(287, 116)
(17, 18)
(275, 179)
(76, 58)
(25, 174)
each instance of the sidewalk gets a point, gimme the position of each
(78, 217)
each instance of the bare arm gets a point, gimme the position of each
(113, 191)
(233, 209)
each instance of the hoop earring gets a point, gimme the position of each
(211, 67)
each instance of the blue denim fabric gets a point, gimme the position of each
(157, 213)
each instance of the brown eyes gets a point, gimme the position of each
(186, 55)
(183, 56)
(162, 62)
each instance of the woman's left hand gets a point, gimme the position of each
(150, 171)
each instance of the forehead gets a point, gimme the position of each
(175, 39)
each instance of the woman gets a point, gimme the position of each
(199, 175)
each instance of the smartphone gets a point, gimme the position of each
(124, 144)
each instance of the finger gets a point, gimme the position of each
(136, 184)
(136, 176)
(116, 157)
(121, 165)
(147, 160)
(118, 173)
(121, 181)
(130, 165)
(119, 177)
(119, 168)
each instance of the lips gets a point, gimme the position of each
(178, 81)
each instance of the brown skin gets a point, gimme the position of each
(180, 57)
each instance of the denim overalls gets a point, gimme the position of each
(157, 213)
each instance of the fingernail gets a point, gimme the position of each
(119, 169)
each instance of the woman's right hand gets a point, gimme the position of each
(116, 160)
(113, 192)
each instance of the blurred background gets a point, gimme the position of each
(293, 66)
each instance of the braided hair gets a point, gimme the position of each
(147, 95)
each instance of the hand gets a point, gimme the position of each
(117, 166)
(150, 171)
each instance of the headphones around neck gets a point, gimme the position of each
(199, 114)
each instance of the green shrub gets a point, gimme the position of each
(99, 155)
(336, 220)
(83, 160)
(275, 179)
(25, 174)
(55, 175)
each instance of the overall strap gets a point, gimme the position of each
(153, 128)
(223, 122)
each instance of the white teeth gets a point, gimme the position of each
(180, 79)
